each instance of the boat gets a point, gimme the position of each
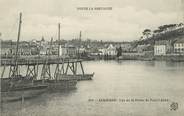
(66, 84)
(58, 82)
(61, 84)
(16, 86)
(20, 88)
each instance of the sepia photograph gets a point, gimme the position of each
(91, 57)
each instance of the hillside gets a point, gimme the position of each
(168, 35)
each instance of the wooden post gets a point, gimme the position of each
(81, 67)
(57, 72)
(71, 66)
(2, 74)
(75, 68)
(27, 70)
(66, 71)
(63, 67)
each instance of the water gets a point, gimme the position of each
(123, 80)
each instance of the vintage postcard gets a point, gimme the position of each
(92, 57)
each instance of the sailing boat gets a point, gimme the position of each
(74, 68)
(57, 82)
(16, 86)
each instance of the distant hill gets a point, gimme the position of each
(168, 35)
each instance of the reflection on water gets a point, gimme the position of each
(116, 80)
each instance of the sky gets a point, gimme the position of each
(125, 22)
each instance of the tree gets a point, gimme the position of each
(141, 38)
(180, 24)
(171, 26)
(163, 28)
(147, 33)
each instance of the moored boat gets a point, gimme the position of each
(62, 84)
(16, 86)
(20, 87)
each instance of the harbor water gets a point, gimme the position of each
(118, 88)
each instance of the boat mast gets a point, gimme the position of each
(59, 39)
(14, 69)
(18, 37)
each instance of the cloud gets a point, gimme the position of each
(124, 22)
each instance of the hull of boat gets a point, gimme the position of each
(23, 92)
(20, 87)
(65, 84)
(80, 77)
(61, 84)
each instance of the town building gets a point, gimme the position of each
(5, 50)
(62, 50)
(159, 50)
(68, 51)
(126, 47)
(179, 46)
(43, 51)
(163, 47)
(110, 50)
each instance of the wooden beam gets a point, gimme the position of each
(82, 68)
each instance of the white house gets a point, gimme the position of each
(179, 46)
(111, 50)
(68, 50)
(159, 50)
(102, 51)
(162, 47)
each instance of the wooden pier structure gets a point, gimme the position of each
(63, 66)
(37, 61)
